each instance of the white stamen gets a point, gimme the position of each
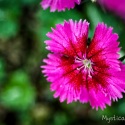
(85, 64)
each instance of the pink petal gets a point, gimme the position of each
(104, 47)
(59, 5)
(69, 39)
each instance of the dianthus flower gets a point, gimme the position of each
(59, 5)
(116, 6)
(81, 71)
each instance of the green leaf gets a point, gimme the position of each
(8, 23)
(2, 71)
(60, 119)
(18, 93)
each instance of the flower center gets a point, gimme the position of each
(85, 65)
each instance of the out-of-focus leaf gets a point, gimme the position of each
(30, 1)
(8, 23)
(93, 15)
(60, 119)
(18, 93)
(2, 71)
(121, 109)
(46, 20)
(10, 27)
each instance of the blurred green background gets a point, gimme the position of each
(25, 97)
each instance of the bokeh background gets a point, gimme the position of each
(25, 97)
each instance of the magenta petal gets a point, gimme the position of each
(84, 96)
(98, 99)
(104, 46)
(59, 5)
(69, 38)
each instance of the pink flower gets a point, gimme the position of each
(59, 4)
(78, 71)
(116, 6)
